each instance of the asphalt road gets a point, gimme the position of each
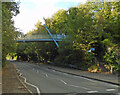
(51, 81)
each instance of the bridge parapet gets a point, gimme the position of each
(45, 36)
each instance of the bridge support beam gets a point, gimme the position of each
(51, 36)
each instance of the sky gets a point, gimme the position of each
(33, 10)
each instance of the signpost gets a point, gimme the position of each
(91, 49)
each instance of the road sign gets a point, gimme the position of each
(92, 49)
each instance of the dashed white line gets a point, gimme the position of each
(110, 89)
(56, 79)
(46, 75)
(92, 91)
(80, 87)
(65, 73)
(74, 86)
(73, 76)
(37, 71)
(66, 83)
(63, 81)
(59, 72)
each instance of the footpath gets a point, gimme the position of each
(104, 77)
(10, 81)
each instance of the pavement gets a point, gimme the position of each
(52, 79)
(10, 81)
(104, 77)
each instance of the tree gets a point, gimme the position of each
(59, 20)
(9, 9)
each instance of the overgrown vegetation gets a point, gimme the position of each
(9, 33)
(89, 25)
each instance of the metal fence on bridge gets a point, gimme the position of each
(43, 36)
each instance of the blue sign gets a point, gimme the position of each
(92, 49)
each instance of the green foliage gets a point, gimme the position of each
(112, 60)
(9, 9)
(90, 25)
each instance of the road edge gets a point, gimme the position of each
(21, 81)
(87, 77)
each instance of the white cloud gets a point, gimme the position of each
(33, 10)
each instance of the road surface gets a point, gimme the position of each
(51, 81)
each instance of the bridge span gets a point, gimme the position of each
(48, 37)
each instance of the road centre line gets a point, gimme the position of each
(46, 75)
(92, 91)
(85, 78)
(73, 75)
(37, 71)
(110, 89)
(63, 81)
(80, 87)
(92, 80)
(55, 78)
(67, 83)
(60, 72)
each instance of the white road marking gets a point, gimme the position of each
(65, 73)
(113, 85)
(18, 70)
(37, 71)
(59, 72)
(110, 89)
(63, 81)
(92, 91)
(73, 75)
(38, 91)
(24, 85)
(84, 78)
(46, 75)
(80, 87)
(66, 83)
(74, 86)
(56, 79)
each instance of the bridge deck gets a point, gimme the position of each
(37, 40)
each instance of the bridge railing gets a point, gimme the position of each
(56, 36)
